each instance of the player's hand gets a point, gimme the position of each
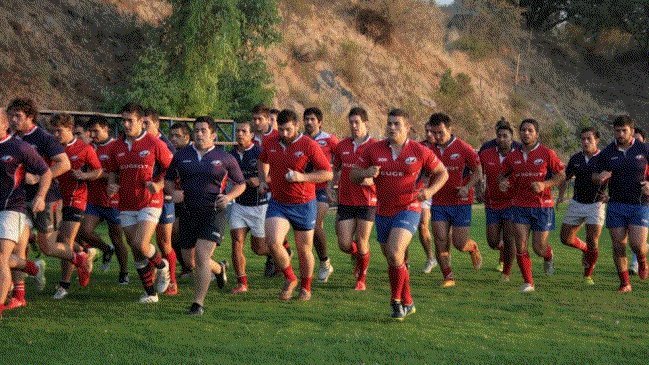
(374, 171)
(38, 204)
(178, 196)
(604, 197)
(31, 179)
(222, 201)
(112, 189)
(538, 186)
(368, 181)
(262, 188)
(503, 185)
(645, 187)
(463, 192)
(294, 176)
(604, 176)
(152, 187)
(78, 174)
(332, 196)
(253, 181)
(424, 194)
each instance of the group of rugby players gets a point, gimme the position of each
(276, 178)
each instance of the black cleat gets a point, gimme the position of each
(123, 279)
(397, 311)
(196, 310)
(222, 277)
(105, 260)
(270, 269)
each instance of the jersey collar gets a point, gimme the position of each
(107, 141)
(295, 140)
(199, 152)
(73, 141)
(31, 130)
(8, 137)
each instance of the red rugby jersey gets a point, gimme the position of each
(492, 168)
(97, 189)
(327, 142)
(526, 168)
(396, 185)
(345, 156)
(75, 192)
(259, 140)
(300, 154)
(456, 156)
(134, 163)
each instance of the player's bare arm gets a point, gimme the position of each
(38, 204)
(476, 173)
(315, 177)
(358, 175)
(556, 179)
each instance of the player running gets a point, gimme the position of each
(286, 158)
(84, 167)
(424, 223)
(623, 164)
(313, 128)
(248, 211)
(586, 205)
(16, 159)
(500, 231)
(101, 206)
(133, 159)
(204, 172)
(395, 164)
(163, 231)
(356, 202)
(450, 208)
(525, 175)
(180, 136)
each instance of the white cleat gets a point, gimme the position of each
(430, 265)
(527, 288)
(145, 298)
(633, 267)
(41, 280)
(163, 278)
(60, 293)
(92, 256)
(325, 270)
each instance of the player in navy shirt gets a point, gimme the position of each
(203, 171)
(17, 158)
(163, 231)
(586, 204)
(248, 212)
(623, 164)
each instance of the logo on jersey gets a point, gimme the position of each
(639, 157)
(322, 142)
(253, 162)
(410, 160)
(298, 154)
(538, 161)
(144, 153)
(455, 156)
(103, 157)
(345, 152)
(518, 162)
(382, 159)
(216, 163)
(120, 154)
(74, 158)
(7, 158)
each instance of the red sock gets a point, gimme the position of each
(354, 248)
(396, 281)
(243, 280)
(447, 273)
(146, 275)
(548, 253)
(305, 283)
(19, 291)
(289, 274)
(156, 260)
(579, 244)
(30, 268)
(76, 261)
(171, 258)
(525, 265)
(591, 259)
(406, 298)
(624, 277)
(363, 261)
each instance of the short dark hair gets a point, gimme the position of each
(595, 131)
(211, 124)
(249, 124)
(81, 123)
(182, 126)
(62, 120)
(358, 111)
(624, 120)
(531, 121)
(261, 109)
(274, 111)
(641, 132)
(396, 112)
(439, 119)
(97, 119)
(313, 110)
(154, 114)
(25, 105)
(503, 124)
(132, 108)
(286, 116)
(500, 122)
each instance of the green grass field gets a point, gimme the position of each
(479, 321)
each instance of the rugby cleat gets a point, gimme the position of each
(15, 303)
(589, 280)
(527, 288)
(360, 286)
(196, 310)
(397, 311)
(499, 266)
(60, 293)
(430, 265)
(504, 278)
(163, 278)
(409, 309)
(123, 279)
(172, 289)
(239, 289)
(624, 288)
(146, 298)
(41, 280)
(107, 256)
(304, 295)
(287, 291)
(448, 283)
(222, 277)
(92, 256)
(548, 266)
(325, 271)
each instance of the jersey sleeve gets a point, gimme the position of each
(318, 158)
(472, 158)
(91, 158)
(430, 161)
(335, 155)
(34, 163)
(234, 171)
(172, 171)
(52, 147)
(570, 169)
(163, 157)
(263, 156)
(554, 162)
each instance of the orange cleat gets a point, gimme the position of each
(15, 303)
